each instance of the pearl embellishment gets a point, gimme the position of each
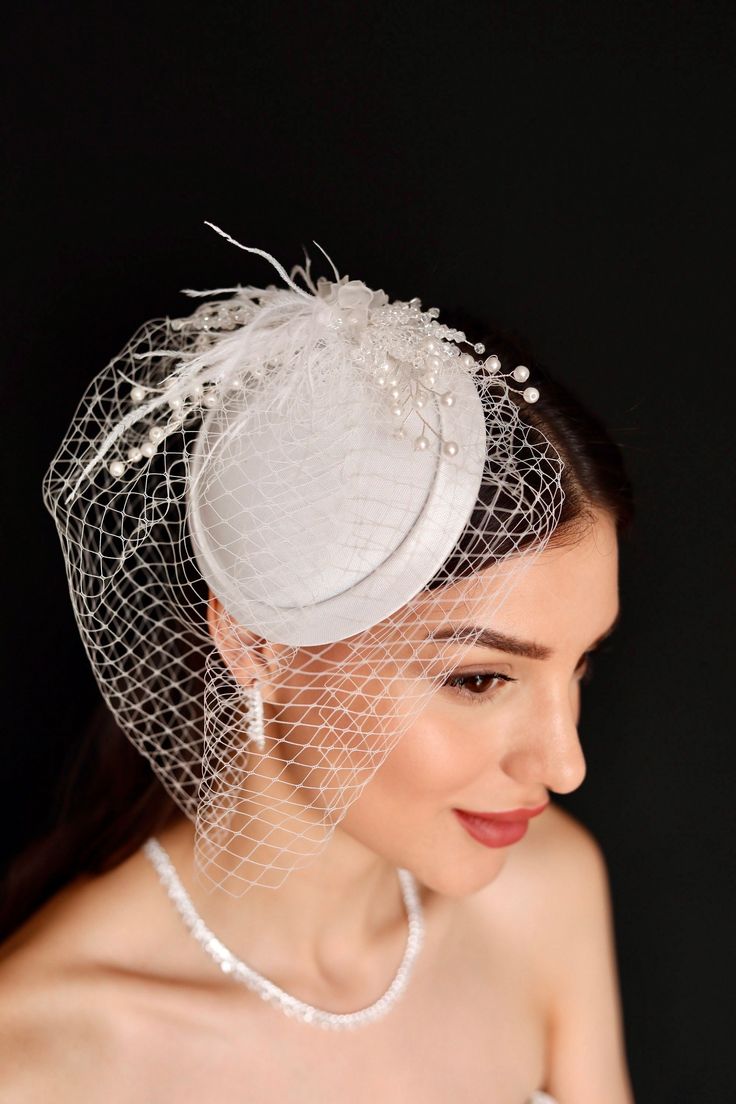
(408, 375)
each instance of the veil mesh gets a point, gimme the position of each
(311, 490)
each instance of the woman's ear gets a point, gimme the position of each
(237, 647)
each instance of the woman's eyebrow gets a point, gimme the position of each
(502, 642)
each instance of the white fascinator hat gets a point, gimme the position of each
(330, 465)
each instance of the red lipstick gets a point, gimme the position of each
(498, 829)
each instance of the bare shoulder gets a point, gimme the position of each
(558, 832)
(552, 893)
(565, 860)
(555, 873)
(49, 1027)
(558, 900)
(63, 994)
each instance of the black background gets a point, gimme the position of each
(562, 170)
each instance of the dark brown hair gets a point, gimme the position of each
(108, 799)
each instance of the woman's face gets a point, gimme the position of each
(501, 732)
(480, 729)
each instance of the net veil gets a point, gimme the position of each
(277, 513)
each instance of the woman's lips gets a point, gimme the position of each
(498, 829)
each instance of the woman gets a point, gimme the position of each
(339, 582)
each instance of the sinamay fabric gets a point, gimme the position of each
(347, 476)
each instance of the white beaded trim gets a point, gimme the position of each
(266, 989)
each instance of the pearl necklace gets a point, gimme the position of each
(266, 989)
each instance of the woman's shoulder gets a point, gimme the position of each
(557, 832)
(554, 881)
(560, 905)
(81, 923)
(44, 1016)
(570, 876)
(68, 975)
(554, 868)
(558, 862)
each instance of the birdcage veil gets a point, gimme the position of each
(275, 512)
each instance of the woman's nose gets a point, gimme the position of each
(546, 748)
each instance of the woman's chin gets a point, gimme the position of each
(461, 878)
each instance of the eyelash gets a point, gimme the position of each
(587, 673)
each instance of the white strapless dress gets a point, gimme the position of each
(539, 1097)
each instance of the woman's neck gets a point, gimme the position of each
(326, 925)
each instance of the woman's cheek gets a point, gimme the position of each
(436, 758)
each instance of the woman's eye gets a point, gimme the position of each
(483, 685)
(478, 687)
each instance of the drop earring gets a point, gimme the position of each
(254, 725)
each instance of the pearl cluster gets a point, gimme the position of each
(268, 990)
(204, 323)
(181, 404)
(403, 347)
(419, 349)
